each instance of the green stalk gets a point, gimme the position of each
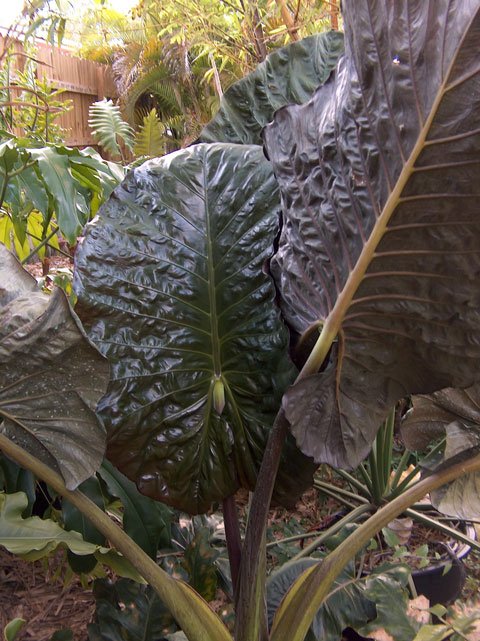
(292, 539)
(379, 458)
(339, 493)
(362, 468)
(191, 612)
(441, 527)
(402, 466)
(377, 492)
(301, 603)
(387, 450)
(418, 468)
(42, 244)
(353, 481)
(351, 517)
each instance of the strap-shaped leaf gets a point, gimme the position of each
(289, 75)
(380, 180)
(50, 377)
(171, 283)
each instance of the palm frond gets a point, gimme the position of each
(153, 78)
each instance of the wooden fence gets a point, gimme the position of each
(82, 81)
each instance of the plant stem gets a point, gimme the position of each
(251, 622)
(234, 540)
(353, 481)
(387, 450)
(292, 539)
(402, 466)
(191, 612)
(436, 525)
(42, 244)
(376, 482)
(366, 477)
(339, 493)
(351, 517)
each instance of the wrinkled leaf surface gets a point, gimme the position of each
(50, 377)
(171, 284)
(289, 75)
(379, 175)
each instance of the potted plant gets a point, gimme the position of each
(435, 554)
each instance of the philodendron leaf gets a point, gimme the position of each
(172, 286)
(33, 537)
(145, 521)
(455, 415)
(54, 171)
(50, 377)
(12, 629)
(289, 75)
(127, 611)
(380, 248)
(365, 602)
(199, 562)
(387, 589)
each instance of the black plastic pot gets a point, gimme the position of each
(442, 585)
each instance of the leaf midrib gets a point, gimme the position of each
(335, 318)
(211, 286)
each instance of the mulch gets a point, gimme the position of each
(37, 592)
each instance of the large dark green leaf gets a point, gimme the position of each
(172, 286)
(50, 377)
(380, 175)
(145, 521)
(454, 415)
(289, 75)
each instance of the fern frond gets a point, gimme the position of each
(150, 140)
(109, 128)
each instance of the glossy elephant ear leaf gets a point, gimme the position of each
(50, 377)
(172, 285)
(289, 75)
(455, 415)
(380, 249)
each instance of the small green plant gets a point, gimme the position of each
(48, 192)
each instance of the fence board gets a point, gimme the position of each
(83, 82)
